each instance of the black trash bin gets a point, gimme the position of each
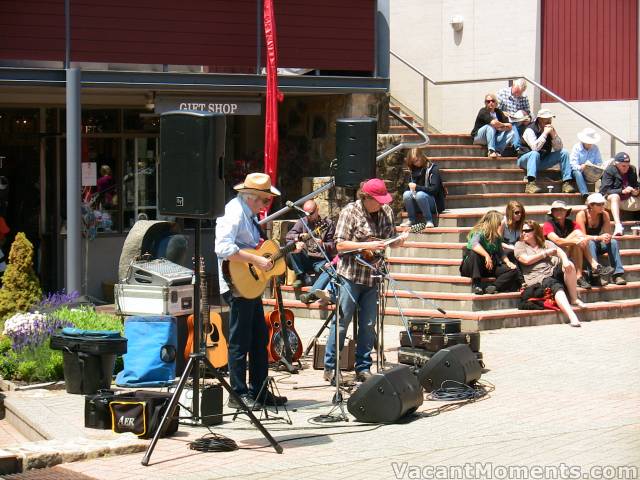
(89, 358)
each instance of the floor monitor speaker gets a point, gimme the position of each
(356, 141)
(190, 175)
(386, 396)
(457, 363)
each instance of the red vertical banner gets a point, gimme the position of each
(273, 94)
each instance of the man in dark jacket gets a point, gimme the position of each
(620, 188)
(492, 127)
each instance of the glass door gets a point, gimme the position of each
(140, 180)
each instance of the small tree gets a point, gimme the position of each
(20, 285)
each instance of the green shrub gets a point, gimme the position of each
(27, 370)
(88, 319)
(20, 285)
(8, 365)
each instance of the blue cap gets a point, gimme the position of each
(622, 157)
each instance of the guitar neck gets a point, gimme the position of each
(283, 251)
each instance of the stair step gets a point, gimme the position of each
(482, 320)
(456, 150)
(400, 129)
(467, 162)
(449, 139)
(500, 199)
(483, 174)
(467, 217)
(500, 186)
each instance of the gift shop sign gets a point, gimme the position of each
(225, 106)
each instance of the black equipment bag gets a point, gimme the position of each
(436, 342)
(140, 413)
(419, 356)
(429, 326)
(96, 410)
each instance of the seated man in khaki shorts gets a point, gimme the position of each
(620, 188)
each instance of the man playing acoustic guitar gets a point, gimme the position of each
(362, 227)
(237, 231)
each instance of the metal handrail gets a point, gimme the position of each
(426, 80)
(423, 134)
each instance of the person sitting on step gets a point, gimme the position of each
(309, 259)
(511, 226)
(544, 263)
(544, 150)
(564, 232)
(424, 189)
(515, 104)
(620, 187)
(492, 127)
(584, 152)
(322, 289)
(596, 224)
(483, 257)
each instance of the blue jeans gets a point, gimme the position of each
(248, 335)
(533, 161)
(494, 140)
(302, 263)
(612, 250)
(580, 182)
(515, 140)
(425, 202)
(366, 298)
(322, 282)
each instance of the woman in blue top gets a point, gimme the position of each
(582, 152)
(483, 257)
(425, 191)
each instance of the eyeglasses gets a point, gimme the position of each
(490, 101)
(517, 213)
(598, 204)
(527, 230)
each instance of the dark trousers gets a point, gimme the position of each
(301, 263)
(248, 334)
(473, 266)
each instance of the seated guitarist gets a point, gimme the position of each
(362, 225)
(238, 229)
(310, 259)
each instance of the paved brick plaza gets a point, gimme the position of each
(564, 397)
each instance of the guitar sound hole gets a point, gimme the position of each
(214, 334)
(278, 342)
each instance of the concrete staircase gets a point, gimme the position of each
(427, 264)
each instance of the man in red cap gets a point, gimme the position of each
(362, 226)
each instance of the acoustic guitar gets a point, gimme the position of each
(215, 343)
(247, 279)
(284, 342)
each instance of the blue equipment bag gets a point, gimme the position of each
(151, 352)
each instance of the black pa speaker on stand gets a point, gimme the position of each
(356, 143)
(191, 171)
(457, 363)
(387, 396)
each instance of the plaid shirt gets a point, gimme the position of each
(510, 104)
(356, 225)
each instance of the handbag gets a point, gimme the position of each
(140, 413)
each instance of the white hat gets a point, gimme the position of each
(595, 198)
(588, 135)
(545, 113)
(559, 205)
(519, 116)
(260, 182)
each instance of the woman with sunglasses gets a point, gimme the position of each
(424, 192)
(511, 226)
(545, 264)
(492, 127)
(595, 222)
(483, 257)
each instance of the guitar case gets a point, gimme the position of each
(419, 356)
(437, 342)
(429, 326)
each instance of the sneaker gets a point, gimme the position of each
(429, 225)
(308, 298)
(619, 279)
(618, 230)
(406, 223)
(477, 289)
(491, 289)
(273, 400)
(324, 295)
(532, 188)
(492, 154)
(363, 375)
(567, 187)
(327, 375)
(602, 270)
(582, 283)
(247, 402)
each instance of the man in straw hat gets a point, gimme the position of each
(566, 234)
(237, 230)
(620, 187)
(362, 226)
(583, 154)
(544, 150)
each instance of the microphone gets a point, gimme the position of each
(290, 204)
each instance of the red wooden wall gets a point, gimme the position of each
(329, 34)
(590, 49)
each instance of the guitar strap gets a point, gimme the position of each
(263, 235)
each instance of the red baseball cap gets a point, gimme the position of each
(378, 190)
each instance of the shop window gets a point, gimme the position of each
(100, 177)
(141, 121)
(140, 180)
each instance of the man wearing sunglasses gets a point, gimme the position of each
(492, 127)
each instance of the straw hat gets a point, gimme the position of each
(559, 205)
(588, 135)
(257, 182)
(545, 113)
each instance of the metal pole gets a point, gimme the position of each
(74, 232)
(425, 104)
(613, 147)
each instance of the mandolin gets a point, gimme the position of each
(284, 342)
